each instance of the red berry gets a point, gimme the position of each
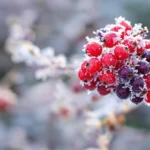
(91, 86)
(117, 28)
(148, 97)
(93, 49)
(84, 76)
(103, 90)
(108, 60)
(126, 25)
(107, 78)
(147, 45)
(139, 50)
(111, 40)
(121, 53)
(131, 44)
(119, 64)
(91, 66)
(147, 80)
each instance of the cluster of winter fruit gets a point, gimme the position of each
(118, 61)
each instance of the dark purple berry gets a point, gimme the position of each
(122, 91)
(137, 100)
(137, 84)
(143, 67)
(125, 73)
(146, 55)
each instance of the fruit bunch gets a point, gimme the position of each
(117, 60)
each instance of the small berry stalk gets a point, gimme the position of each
(118, 61)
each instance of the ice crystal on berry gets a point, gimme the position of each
(118, 61)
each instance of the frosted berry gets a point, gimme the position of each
(147, 80)
(108, 60)
(137, 84)
(91, 66)
(131, 44)
(91, 85)
(143, 67)
(126, 24)
(125, 73)
(107, 78)
(93, 49)
(137, 99)
(122, 91)
(111, 40)
(84, 76)
(121, 52)
(148, 97)
(146, 55)
(103, 90)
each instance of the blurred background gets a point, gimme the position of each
(63, 25)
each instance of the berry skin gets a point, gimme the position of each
(147, 80)
(91, 66)
(122, 92)
(84, 76)
(137, 84)
(103, 90)
(119, 64)
(108, 60)
(93, 49)
(91, 86)
(137, 100)
(107, 78)
(146, 55)
(148, 97)
(125, 73)
(111, 40)
(126, 25)
(131, 44)
(143, 67)
(147, 45)
(121, 53)
(117, 28)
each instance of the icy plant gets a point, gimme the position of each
(118, 61)
(85, 120)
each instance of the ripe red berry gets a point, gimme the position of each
(121, 53)
(84, 76)
(111, 40)
(126, 24)
(119, 64)
(148, 97)
(91, 85)
(147, 80)
(118, 28)
(108, 59)
(107, 78)
(91, 66)
(131, 44)
(93, 49)
(103, 90)
(139, 50)
(147, 45)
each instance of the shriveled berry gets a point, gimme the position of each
(103, 90)
(122, 92)
(125, 73)
(84, 76)
(111, 40)
(93, 49)
(108, 60)
(137, 84)
(121, 53)
(91, 66)
(107, 78)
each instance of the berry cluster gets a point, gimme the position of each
(118, 60)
